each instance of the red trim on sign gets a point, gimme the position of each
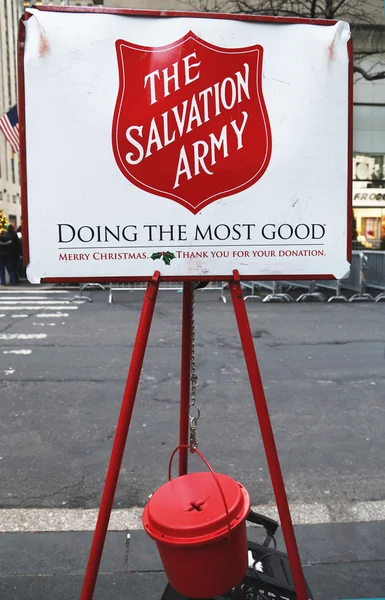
(23, 152)
(132, 12)
(350, 153)
(181, 278)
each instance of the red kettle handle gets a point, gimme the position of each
(196, 451)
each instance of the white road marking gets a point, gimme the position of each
(2, 316)
(26, 298)
(11, 301)
(52, 315)
(39, 307)
(17, 351)
(43, 324)
(20, 316)
(64, 519)
(9, 371)
(22, 336)
(29, 291)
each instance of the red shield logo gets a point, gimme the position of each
(190, 122)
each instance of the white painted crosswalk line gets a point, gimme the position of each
(22, 336)
(29, 291)
(29, 298)
(24, 303)
(52, 315)
(39, 307)
(22, 351)
(21, 301)
(11, 301)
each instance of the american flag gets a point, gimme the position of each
(9, 125)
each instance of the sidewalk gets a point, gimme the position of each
(341, 561)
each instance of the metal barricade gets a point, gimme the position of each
(333, 285)
(252, 286)
(355, 282)
(175, 286)
(306, 284)
(276, 291)
(248, 285)
(367, 271)
(275, 287)
(357, 278)
(375, 272)
(140, 286)
(84, 286)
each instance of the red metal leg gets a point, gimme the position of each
(185, 383)
(120, 438)
(268, 437)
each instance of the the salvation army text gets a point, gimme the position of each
(200, 155)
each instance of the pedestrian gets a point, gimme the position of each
(5, 257)
(15, 253)
(22, 273)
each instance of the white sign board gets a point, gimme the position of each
(188, 144)
(369, 197)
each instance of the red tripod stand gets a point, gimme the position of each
(128, 405)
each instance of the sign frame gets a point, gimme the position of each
(176, 14)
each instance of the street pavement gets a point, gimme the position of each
(63, 365)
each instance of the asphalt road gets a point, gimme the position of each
(322, 367)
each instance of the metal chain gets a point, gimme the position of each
(193, 408)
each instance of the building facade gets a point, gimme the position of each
(369, 135)
(10, 12)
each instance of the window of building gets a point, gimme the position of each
(12, 219)
(1, 196)
(13, 170)
(14, 198)
(371, 227)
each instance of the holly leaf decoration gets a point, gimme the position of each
(167, 257)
